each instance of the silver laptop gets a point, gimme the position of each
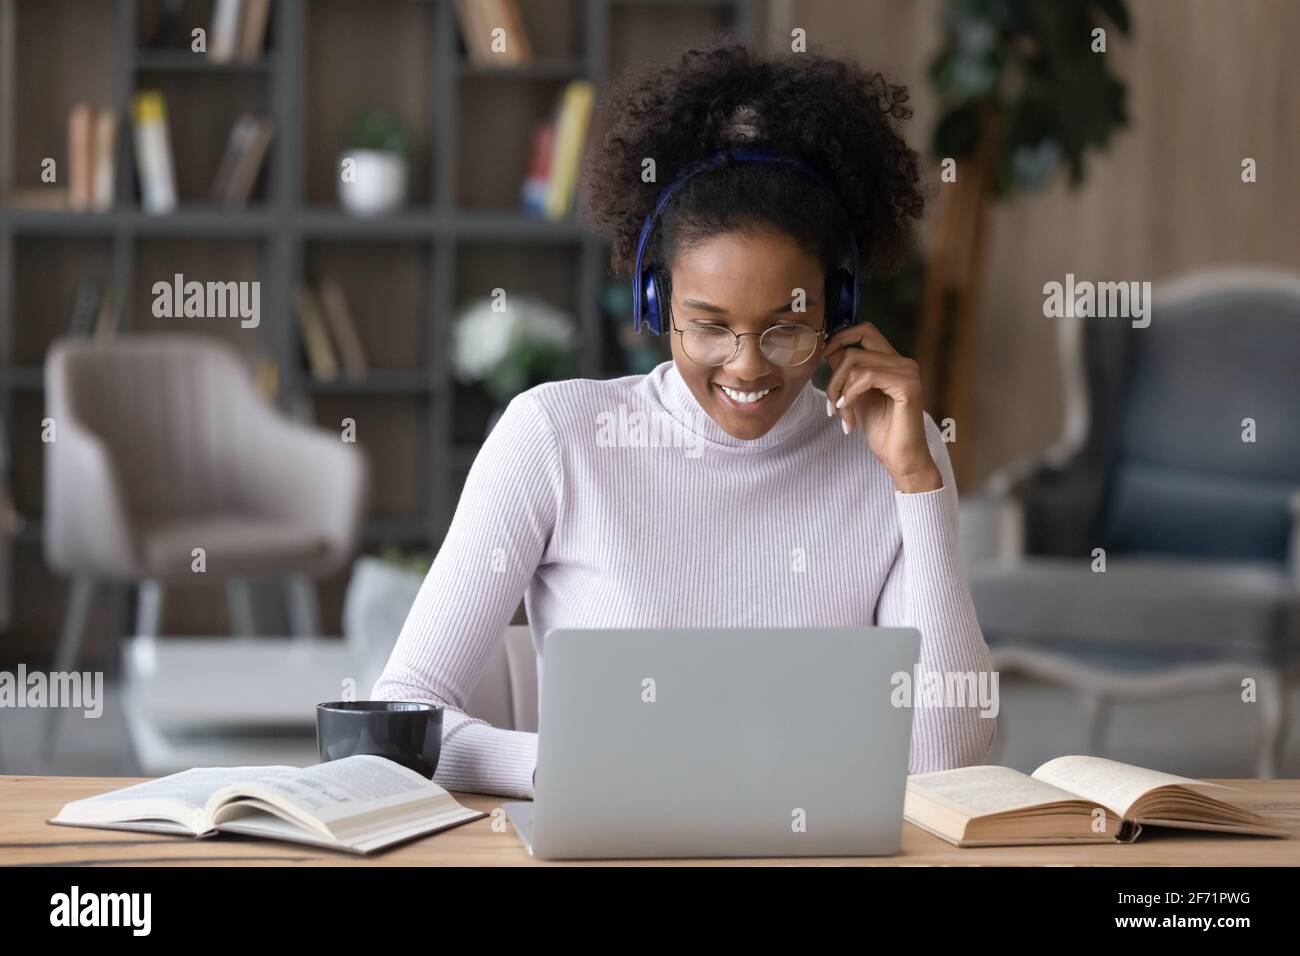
(719, 743)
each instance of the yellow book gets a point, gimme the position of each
(571, 134)
(153, 152)
(315, 338)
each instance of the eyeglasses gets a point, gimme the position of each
(784, 345)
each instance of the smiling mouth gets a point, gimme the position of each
(746, 400)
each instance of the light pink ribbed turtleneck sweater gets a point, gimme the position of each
(621, 503)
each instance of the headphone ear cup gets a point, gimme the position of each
(649, 300)
(839, 300)
(663, 292)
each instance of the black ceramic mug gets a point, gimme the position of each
(406, 731)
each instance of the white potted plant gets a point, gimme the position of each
(373, 166)
(509, 345)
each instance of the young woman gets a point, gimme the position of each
(721, 489)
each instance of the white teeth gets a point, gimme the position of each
(744, 397)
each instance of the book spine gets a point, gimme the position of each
(472, 31)
(249, 163)
(539, 169)
(572, 131)
(110, 313)
(496, 19)
(153, 147)
(252, 31)
(338, 314)
(315, 339)
(80, 150)
(84, 307)
(105, 164)
(515, 30)
(225, 31)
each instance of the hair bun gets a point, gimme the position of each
(743, 126)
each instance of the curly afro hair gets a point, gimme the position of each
(832, 114)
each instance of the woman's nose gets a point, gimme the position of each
(749, 362)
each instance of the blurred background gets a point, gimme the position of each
(248, 256)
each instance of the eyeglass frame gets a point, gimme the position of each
(739, 335)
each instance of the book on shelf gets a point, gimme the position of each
(245, 152)
(92, 137)
(252, 29)
(81, 135)
(533, 193)
(96, 309)
(351, 353)
(85, 308)
(223, 38)
(109, 315)
(1072, 800)
(359, 804)
(519, 46)
(478, 19)
(104, 166)
(571, 126)
(472, 31)
(315, 336)
(240, 132)
(153, 152)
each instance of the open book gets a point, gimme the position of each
(359, 803)
(1070, 800)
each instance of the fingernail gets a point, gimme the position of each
(840, 403)
(845, 423)
(829, 410)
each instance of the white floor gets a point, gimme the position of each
(1203, 736)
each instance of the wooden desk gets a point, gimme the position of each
(25, 838)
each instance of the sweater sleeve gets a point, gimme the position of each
(496, 540)
(926, 589)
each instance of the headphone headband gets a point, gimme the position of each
(643, 289)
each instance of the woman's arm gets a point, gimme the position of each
(497, 538)
(926, 589)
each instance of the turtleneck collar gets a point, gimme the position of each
(677, 399)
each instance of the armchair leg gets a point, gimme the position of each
(1097, 708)
(68, 653)
(74, 623)
(239, 599)
(1272, 699)
(304, 610)
(148, 611)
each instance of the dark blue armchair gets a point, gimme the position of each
(1180, 470)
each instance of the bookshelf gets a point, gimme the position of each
(405, 274)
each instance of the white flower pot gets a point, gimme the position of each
(377, 183)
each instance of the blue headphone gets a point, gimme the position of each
(651, 286)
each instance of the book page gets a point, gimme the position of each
(183, 795)
(977, 791)
(1116, 786)
(337, 789)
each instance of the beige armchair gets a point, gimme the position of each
(506, 693)
(163, 447)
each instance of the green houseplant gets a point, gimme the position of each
(373, 166)
(1025, 89)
